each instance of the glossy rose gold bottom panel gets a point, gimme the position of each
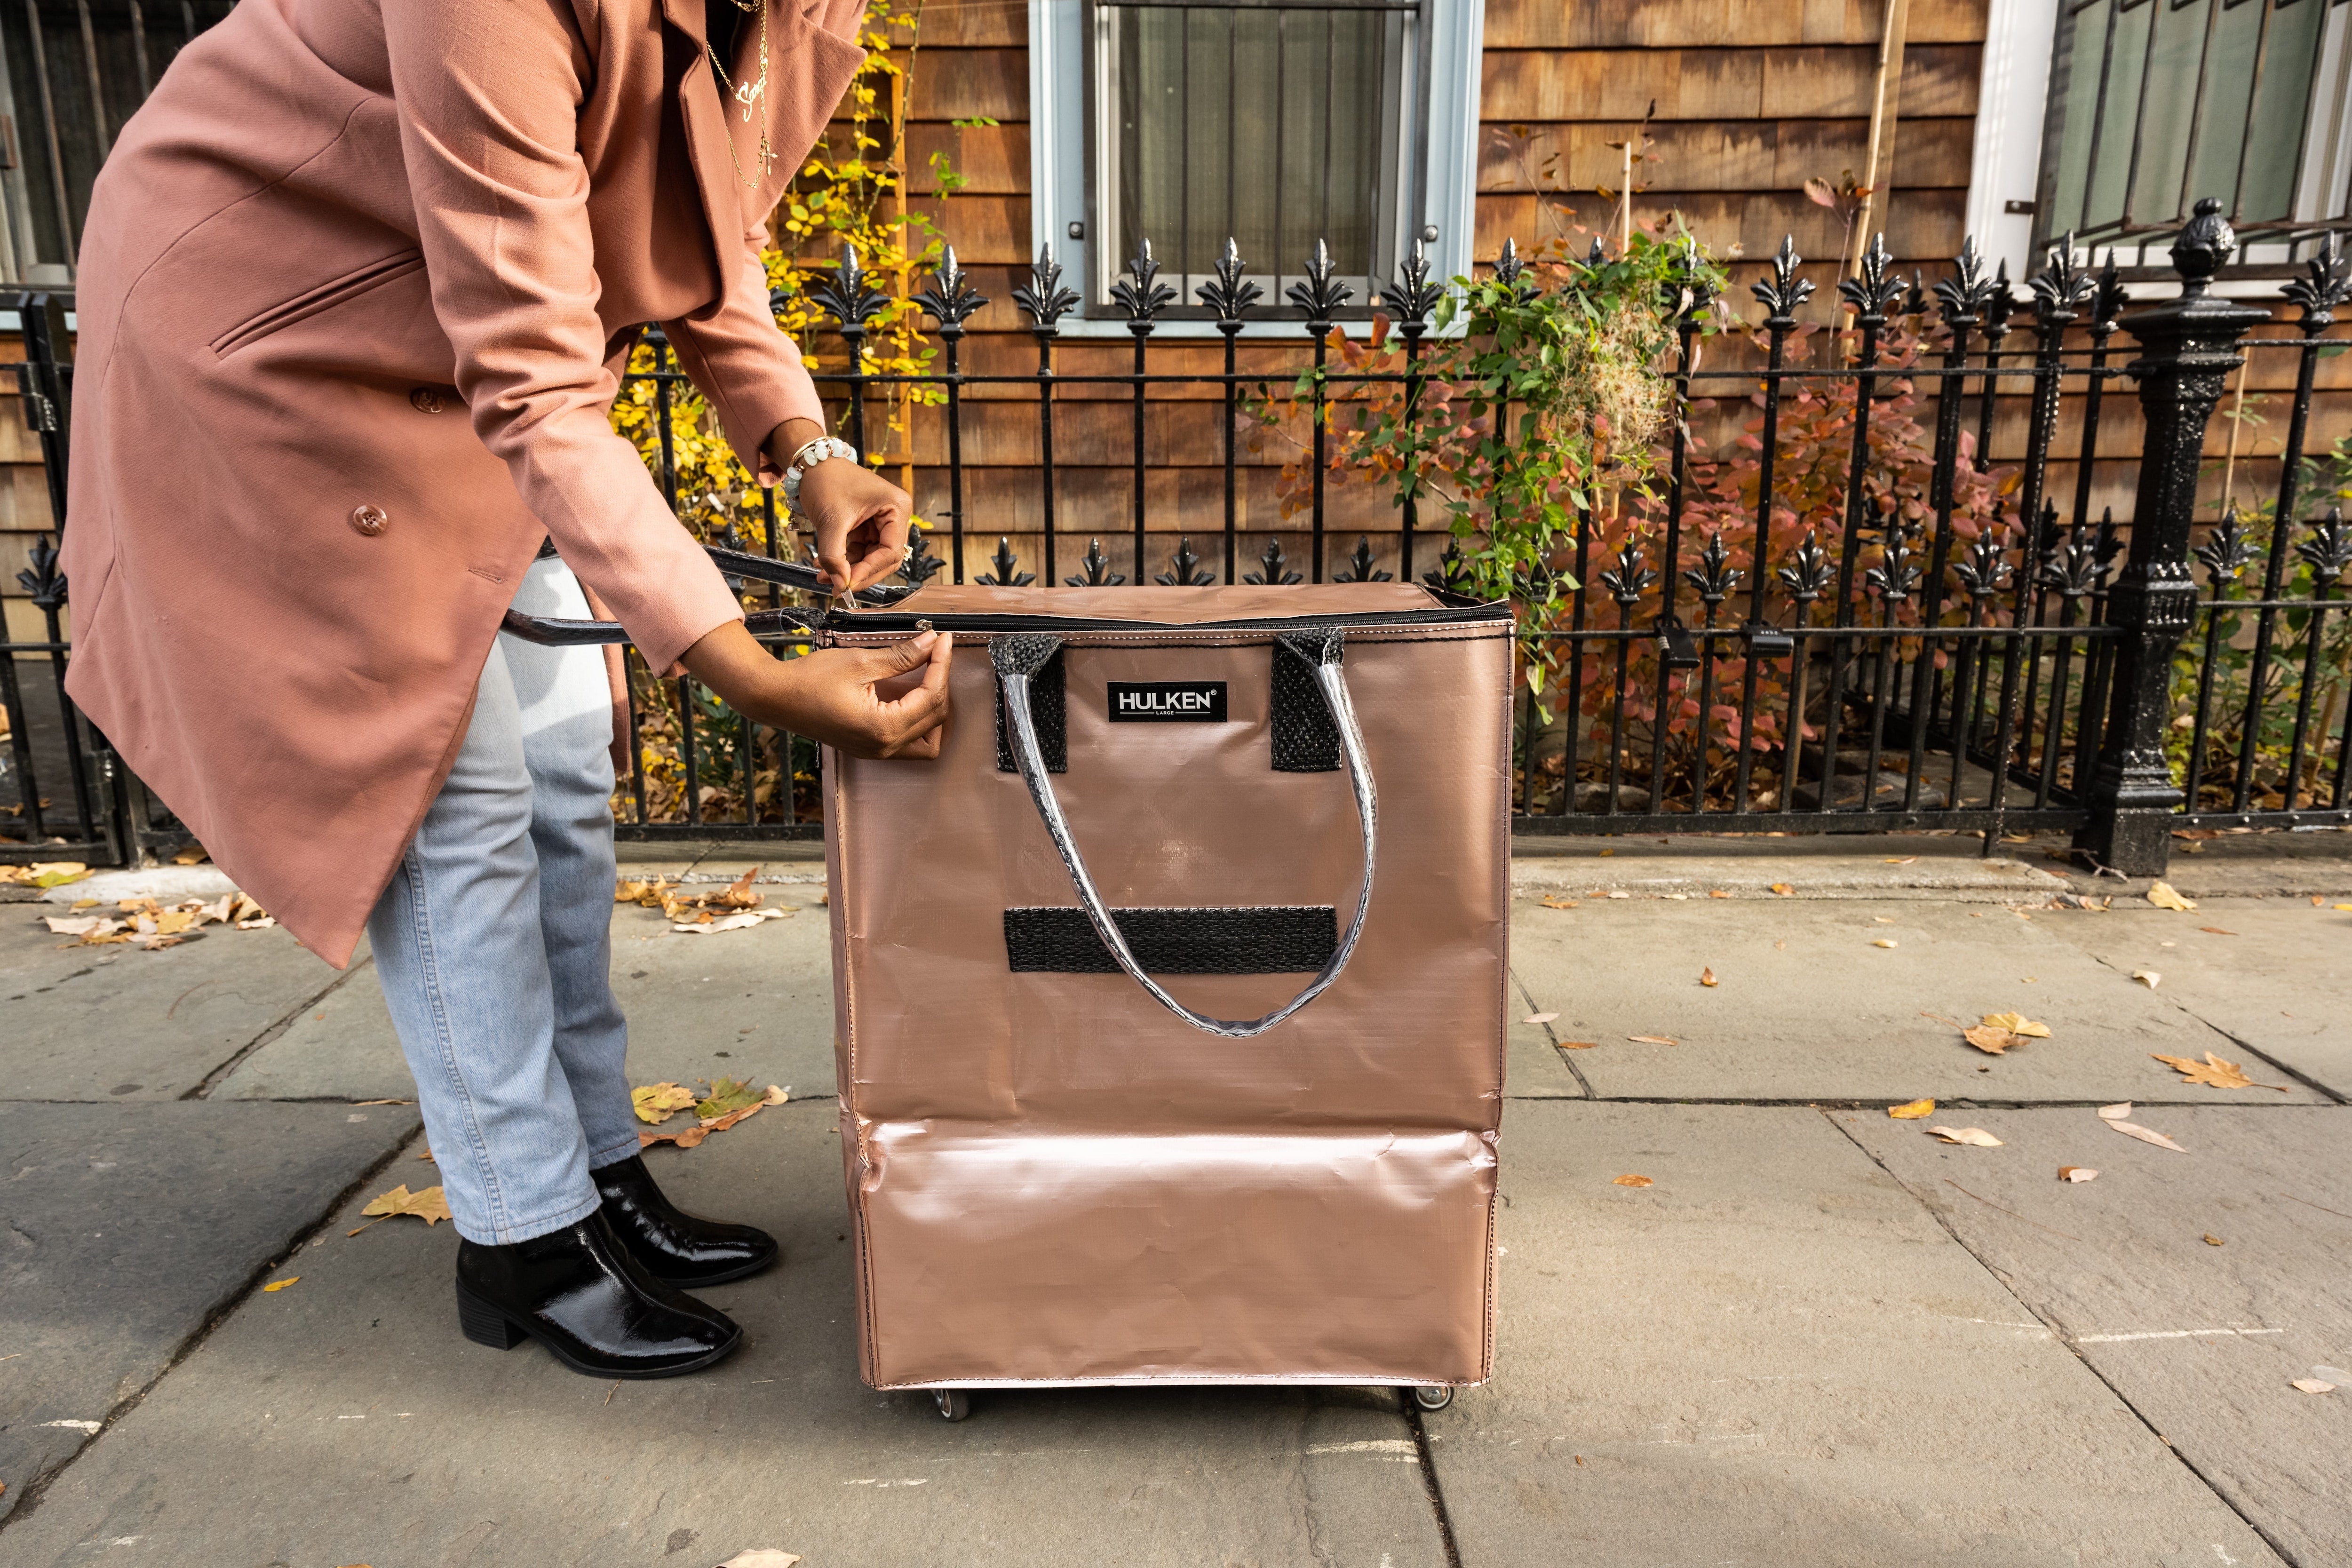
(1349, 1257)
(1054, 1179)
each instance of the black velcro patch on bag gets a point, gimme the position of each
(1048, 706)
(1275, 940)
(1305, 739)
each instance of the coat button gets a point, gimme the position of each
(426, 400)
(368, 520)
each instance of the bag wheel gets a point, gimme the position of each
(955, 1404)
(1433, 1396)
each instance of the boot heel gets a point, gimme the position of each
(486, 1325)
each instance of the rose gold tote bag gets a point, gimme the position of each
(1169, 1001)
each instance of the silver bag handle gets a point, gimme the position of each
(1017, 658)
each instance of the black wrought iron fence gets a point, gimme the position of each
(1860, 601)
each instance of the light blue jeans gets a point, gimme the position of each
(493, 943)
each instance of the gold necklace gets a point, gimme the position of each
(748, 94)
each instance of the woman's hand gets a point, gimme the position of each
(885, 701)
(860, 518)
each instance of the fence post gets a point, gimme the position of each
(2189, 346)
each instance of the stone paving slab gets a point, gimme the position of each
(2281, 984)
(1941, 868)
(1807, 1008)
(773, 981)
(124, 1228)
(112, 1022)
(2203, 1340)
(1774, 1355)
(344, 1421)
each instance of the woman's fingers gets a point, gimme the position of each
(911, 692)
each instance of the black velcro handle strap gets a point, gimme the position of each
(1049, 703)
(1305, 741)
(1275, 940)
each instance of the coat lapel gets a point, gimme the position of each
(809, 69)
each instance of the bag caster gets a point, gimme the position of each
(1433, 1396)
(955, 1404)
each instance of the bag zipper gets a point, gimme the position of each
(854, 622)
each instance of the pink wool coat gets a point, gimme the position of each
(337, 229)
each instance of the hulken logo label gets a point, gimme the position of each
(1166, 702)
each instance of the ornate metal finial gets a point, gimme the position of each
(2061, 288)
(1007, 573)
(1098, 573)
(1895, 576)
(2326, 283)
(2228, 551)
(1507, 266)
(1137, 294)
(951, 298)
(1359, 566)
(1043, 297)
(1452, 573)
(1781, 293)
(2000, 299)
(1321, 293)
(1184, 569)
(1962, 295)
(2108, 303)
(1877, 288)
(1915, 299)
(2329, 547)
(1412, 296)
(849, 294)
(1807, 574)
(920, 565)
(1986, 571)
(1631, 579)
(45, 584)
(1231, 294)
(2203, 248)
(1714, 577)
(1270, 567)
(2074, 570)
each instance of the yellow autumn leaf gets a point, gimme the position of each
(1706, 977)
(727, 1095)
(428, 1205)
(1632, 1181)
(2017, 1023)
(2212, 1072)
(657, 1103)
(2161, 894)
(1912, 1110)
(281, 1284)
(1884, 941)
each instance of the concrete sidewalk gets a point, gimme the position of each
(1817, 1335)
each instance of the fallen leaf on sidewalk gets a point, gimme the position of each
(2148, 977)
(2161, 895)
(1783, 889)
(1706, 977)
(1651, 1040)
(1718, 892)
(656, 1103)
(1552, 901)
(2217, 930)
(1578, 1045)
(2133, 1130)
(2212, 1240)
(762, 1557)
(728, 1095)
(2000, 1031)
(1631, 1181)
(2077, 1174)
(428, 1205)
(281, 1284)
(1975, 1137)
(1538, 1017)
(2313, 1385)
(743, 921)
(2114, 1113)
(1884, 941)
(1905, 860)
(2213, 1072)
(1912, 1110)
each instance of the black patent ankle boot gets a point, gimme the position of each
(577, 1292)
(675, 1247)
